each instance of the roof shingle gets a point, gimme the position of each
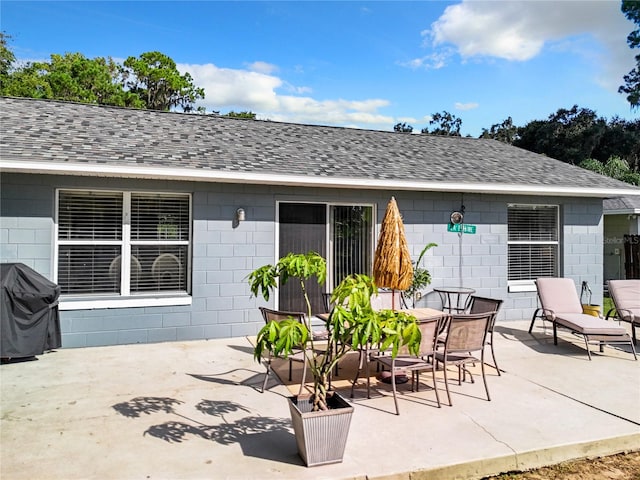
(70, 133)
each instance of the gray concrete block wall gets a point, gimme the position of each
(225, 252)
(26, 223)
(583, 245)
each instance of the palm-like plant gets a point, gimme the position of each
(421, 277)
(353, 324)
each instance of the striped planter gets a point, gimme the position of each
(321, 436)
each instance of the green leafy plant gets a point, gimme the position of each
(421, 277)
(353, 323)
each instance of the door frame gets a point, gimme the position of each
(328, 234)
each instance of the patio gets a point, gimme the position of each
(193, 410)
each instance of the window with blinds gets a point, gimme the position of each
(533, 241)
(122, 243)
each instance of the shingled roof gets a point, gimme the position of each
(621, 205)
(43, 136)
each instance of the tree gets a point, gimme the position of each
(615, 167)
(26, 81)
(155, 79)
(621, 138)
(631, 87)
(446, 124)
(150, 81)
(402, 128)
(243, 114)
(6, 55)
(505, 132)
(568, 135)
(73, 77)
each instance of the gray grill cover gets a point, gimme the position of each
(29, 318)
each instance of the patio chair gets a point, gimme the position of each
(561, 306)
(299, 356)
(626, 301)
(476, 304)
(487, 305)
(465, 339)
(405, 362)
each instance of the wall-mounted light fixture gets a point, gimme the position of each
(240, 215)
(456, 218)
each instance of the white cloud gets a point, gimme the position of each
(262, 67)
(225, 87)
(520, 30)
(434, 61)
(258, 92)
(466, 106)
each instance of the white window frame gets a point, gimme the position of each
(529, 284)
(124, 299)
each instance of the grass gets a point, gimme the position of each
(624, 466)
(607, 304)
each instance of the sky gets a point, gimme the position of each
(368, 65)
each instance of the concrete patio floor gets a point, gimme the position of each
(193, 410)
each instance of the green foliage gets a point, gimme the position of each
(615, 167)
(6, 55)
(421, 276)
(402, 128)
(155, 79)
(575, 134)
(243, 114)
(505, 132)
(631, 87)
(569, 135)
(280, 338)
(445, 123)
(353, 324)
(151, 81)
(593, 165)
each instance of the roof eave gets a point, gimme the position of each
(205, 175)
(622, 211)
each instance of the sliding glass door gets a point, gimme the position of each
(342, 234)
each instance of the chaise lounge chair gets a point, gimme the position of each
(561, 306)
(626, 300)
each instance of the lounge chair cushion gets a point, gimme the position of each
(559, 292)
(630, 315)
(626, 298)
(588, 324)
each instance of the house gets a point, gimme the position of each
(151, 221)
(621, 238)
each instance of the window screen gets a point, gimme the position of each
(533, 241)
(122, 243)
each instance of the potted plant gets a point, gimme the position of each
(421, 278)
(353, 324)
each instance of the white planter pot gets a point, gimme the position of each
(321, 436)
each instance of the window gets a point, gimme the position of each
(532, 242)
(122, 243)
(352, 241)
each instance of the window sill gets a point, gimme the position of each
(123, 302)
(522, 286)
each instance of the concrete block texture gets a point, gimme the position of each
(223, 252)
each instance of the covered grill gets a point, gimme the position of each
(29, 318)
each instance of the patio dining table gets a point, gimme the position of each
(424, 313)
(454, 299)
(421, 314)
